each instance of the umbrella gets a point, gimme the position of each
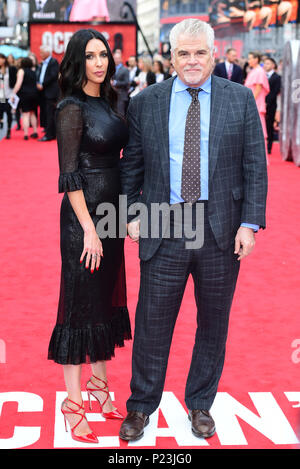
(7, 49)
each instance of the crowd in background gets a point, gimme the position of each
(29, 90)
(36, 86)
(262, 75)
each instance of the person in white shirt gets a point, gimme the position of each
(158, 69)
(7, 82)
(133, 72)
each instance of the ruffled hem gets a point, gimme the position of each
(69, 346)
(69, 182)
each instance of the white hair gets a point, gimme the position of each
(46, 48)
(194, 28)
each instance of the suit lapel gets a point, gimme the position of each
(224, 68)
(218, 114)
(161, 120)
(233, 71)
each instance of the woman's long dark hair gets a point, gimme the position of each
(2, 56)
(72, 73)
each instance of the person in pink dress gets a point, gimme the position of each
(89, 10)
(257, 81)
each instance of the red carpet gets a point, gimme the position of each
(258, 402)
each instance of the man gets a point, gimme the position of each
(271, 99)
(49, 92)
(121, 82)
(133, 72)
(167, 67)
(229, 69)
(44, 10)
(195, 142)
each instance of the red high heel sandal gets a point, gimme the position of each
(114, 414)
(91, 437)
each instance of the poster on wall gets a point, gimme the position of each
(249, 14)
(57, 35)
(77, 10)
(13, 12)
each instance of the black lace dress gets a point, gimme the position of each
(92, 314)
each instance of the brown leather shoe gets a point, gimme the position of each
(133, 426)
(203, 425)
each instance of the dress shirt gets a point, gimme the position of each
(180, 102)
(5, 91)
(229, 67)
(40, 4)
(132, 73)
(43, 69)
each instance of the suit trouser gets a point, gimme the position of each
(5, 107)
(162, 285)
(43, 115)
(270, 118)
(50, 105)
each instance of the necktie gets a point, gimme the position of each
(229, 75)
(190, 182)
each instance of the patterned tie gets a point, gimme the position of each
(190, 182)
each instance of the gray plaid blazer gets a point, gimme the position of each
(237, 159)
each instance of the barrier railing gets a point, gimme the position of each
(289, 135)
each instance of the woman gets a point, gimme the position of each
(37, 70)
(146, 76)
(89, 10)
(284, 12)
(251, 17)
(92, 314)
(26, 89)
(258, 82)
(11, 60)
(158, 69)
(7, 82)
(35, 64)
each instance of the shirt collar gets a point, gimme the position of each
(180, 86)
(47, 59)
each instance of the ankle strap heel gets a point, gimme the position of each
(114, 414)
(89, 438)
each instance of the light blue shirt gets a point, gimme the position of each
(44, 68)
(180, 102)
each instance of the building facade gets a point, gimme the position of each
(148, 15)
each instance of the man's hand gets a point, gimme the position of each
(244, 242)
(133, 229)
(39, 87)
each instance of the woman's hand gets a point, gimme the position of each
(133, 229)
(92, 248)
